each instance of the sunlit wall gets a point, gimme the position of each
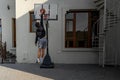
(27, 51)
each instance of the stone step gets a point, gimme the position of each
(9, 61)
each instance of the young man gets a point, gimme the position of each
(41, 40)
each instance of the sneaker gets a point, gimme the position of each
(41, 60)
(38, 61)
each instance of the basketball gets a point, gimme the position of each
(42, 11)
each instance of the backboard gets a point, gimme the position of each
(51, 11)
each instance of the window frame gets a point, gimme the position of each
(89, 11)
(14, 32)
(1, 29)
(31, 20)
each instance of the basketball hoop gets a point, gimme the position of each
(49, 11)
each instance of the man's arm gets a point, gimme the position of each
(36, 38)
(41, 21)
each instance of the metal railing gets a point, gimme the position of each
(2, 51)
(106, 22)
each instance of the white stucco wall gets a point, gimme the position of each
(6, 19)
(27, 51)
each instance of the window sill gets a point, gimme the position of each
(13, 49)
(80, 50)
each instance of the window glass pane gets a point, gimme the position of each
(33, 23)
(95, 29)
(69, 16)
(81, 29)
(69, 34)
(69, 26)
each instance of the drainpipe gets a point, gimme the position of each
(104, 26)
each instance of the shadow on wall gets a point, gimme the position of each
(26, 49)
